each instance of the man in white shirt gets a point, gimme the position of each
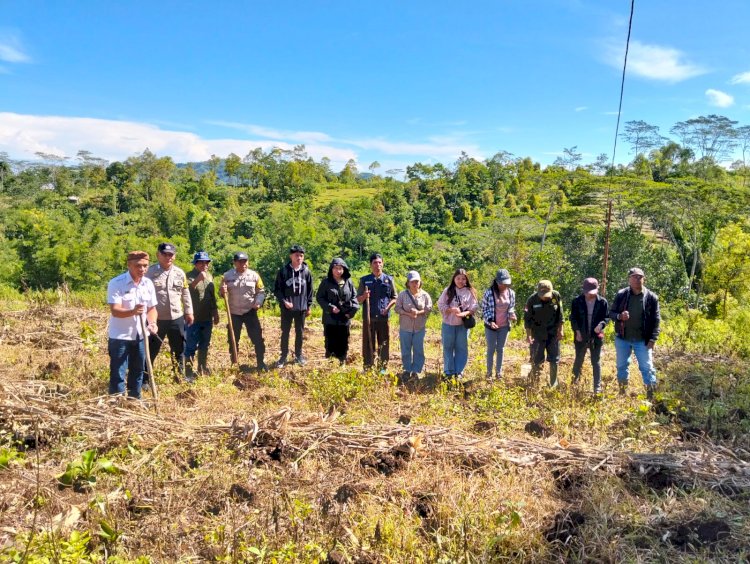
(131, 296)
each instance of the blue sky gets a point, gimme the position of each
(396, 82)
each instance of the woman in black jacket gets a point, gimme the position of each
(338, 298)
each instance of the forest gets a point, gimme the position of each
(677, 213)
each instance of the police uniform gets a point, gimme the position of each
(244, 291)
(173, 302)
(543, 319)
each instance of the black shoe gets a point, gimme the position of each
(300, 361)
(279, 363)
(262, 367)
(623, 388)
(650, 389)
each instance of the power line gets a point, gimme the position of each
(614, 153)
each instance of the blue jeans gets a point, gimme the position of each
(198, 336)
(495, 345)
(643, 354)
(126, 356)
(412, 350)
(455, 348)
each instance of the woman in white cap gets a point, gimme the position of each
(413, 305)
(498, 313)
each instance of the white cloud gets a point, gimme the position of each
(438, 147)
(719, 99)
(654, 62)
(23, 135)
(741, 78)
(11, 50)
(581, 108)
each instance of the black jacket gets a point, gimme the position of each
(330, 294)
(579, 316)
(651, 313)
(296, 287)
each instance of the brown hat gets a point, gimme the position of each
(137, 255)
(590, 286)
(544, 289)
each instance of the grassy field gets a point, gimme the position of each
(328, 195)
(332, 464)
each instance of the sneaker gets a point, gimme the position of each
(280, 363)
(498, 376)
(414, 375)
(623, 388)
(576, 378)
(650, 389)
(262, 367)
(300, 361)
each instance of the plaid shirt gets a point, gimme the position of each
(488, 305)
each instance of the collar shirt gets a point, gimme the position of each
(244, 290)
(203, 296)
(123, 291)
(172, 292)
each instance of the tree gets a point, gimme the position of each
(642, 136)
(348, 174)
(233, 164)
(570, 158)
(708, 136)
(374, 165)
(743, 140)
(728, 267)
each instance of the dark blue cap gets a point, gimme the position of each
(240, 256)
(201, 255)
(167, 248)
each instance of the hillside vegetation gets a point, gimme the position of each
(332, 464)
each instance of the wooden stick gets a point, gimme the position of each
(231, 330)
(149, 365)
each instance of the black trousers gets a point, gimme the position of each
(549, 344)
(298, 318)
(376, 342)
(174, 330)
(336, 340)
(594, 346)
(252, 325)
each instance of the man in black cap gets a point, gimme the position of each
(379, 291)
(246, 294)
(637, 324)
(293, 289)
(175, 307)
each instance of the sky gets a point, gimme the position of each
(386, 81)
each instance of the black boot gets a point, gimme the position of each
(189, 372)
(553, 375)
(203, 363)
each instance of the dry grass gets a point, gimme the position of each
(260, 467)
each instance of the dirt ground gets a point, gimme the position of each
(332, 464)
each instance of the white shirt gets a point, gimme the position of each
(122, 290)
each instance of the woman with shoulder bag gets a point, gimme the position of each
(413, 305)
(338, 298)
(457, 304)
(498, 314)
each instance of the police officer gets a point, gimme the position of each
(174, 308)
(206, 314)
(246, 293)
(543, 320)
